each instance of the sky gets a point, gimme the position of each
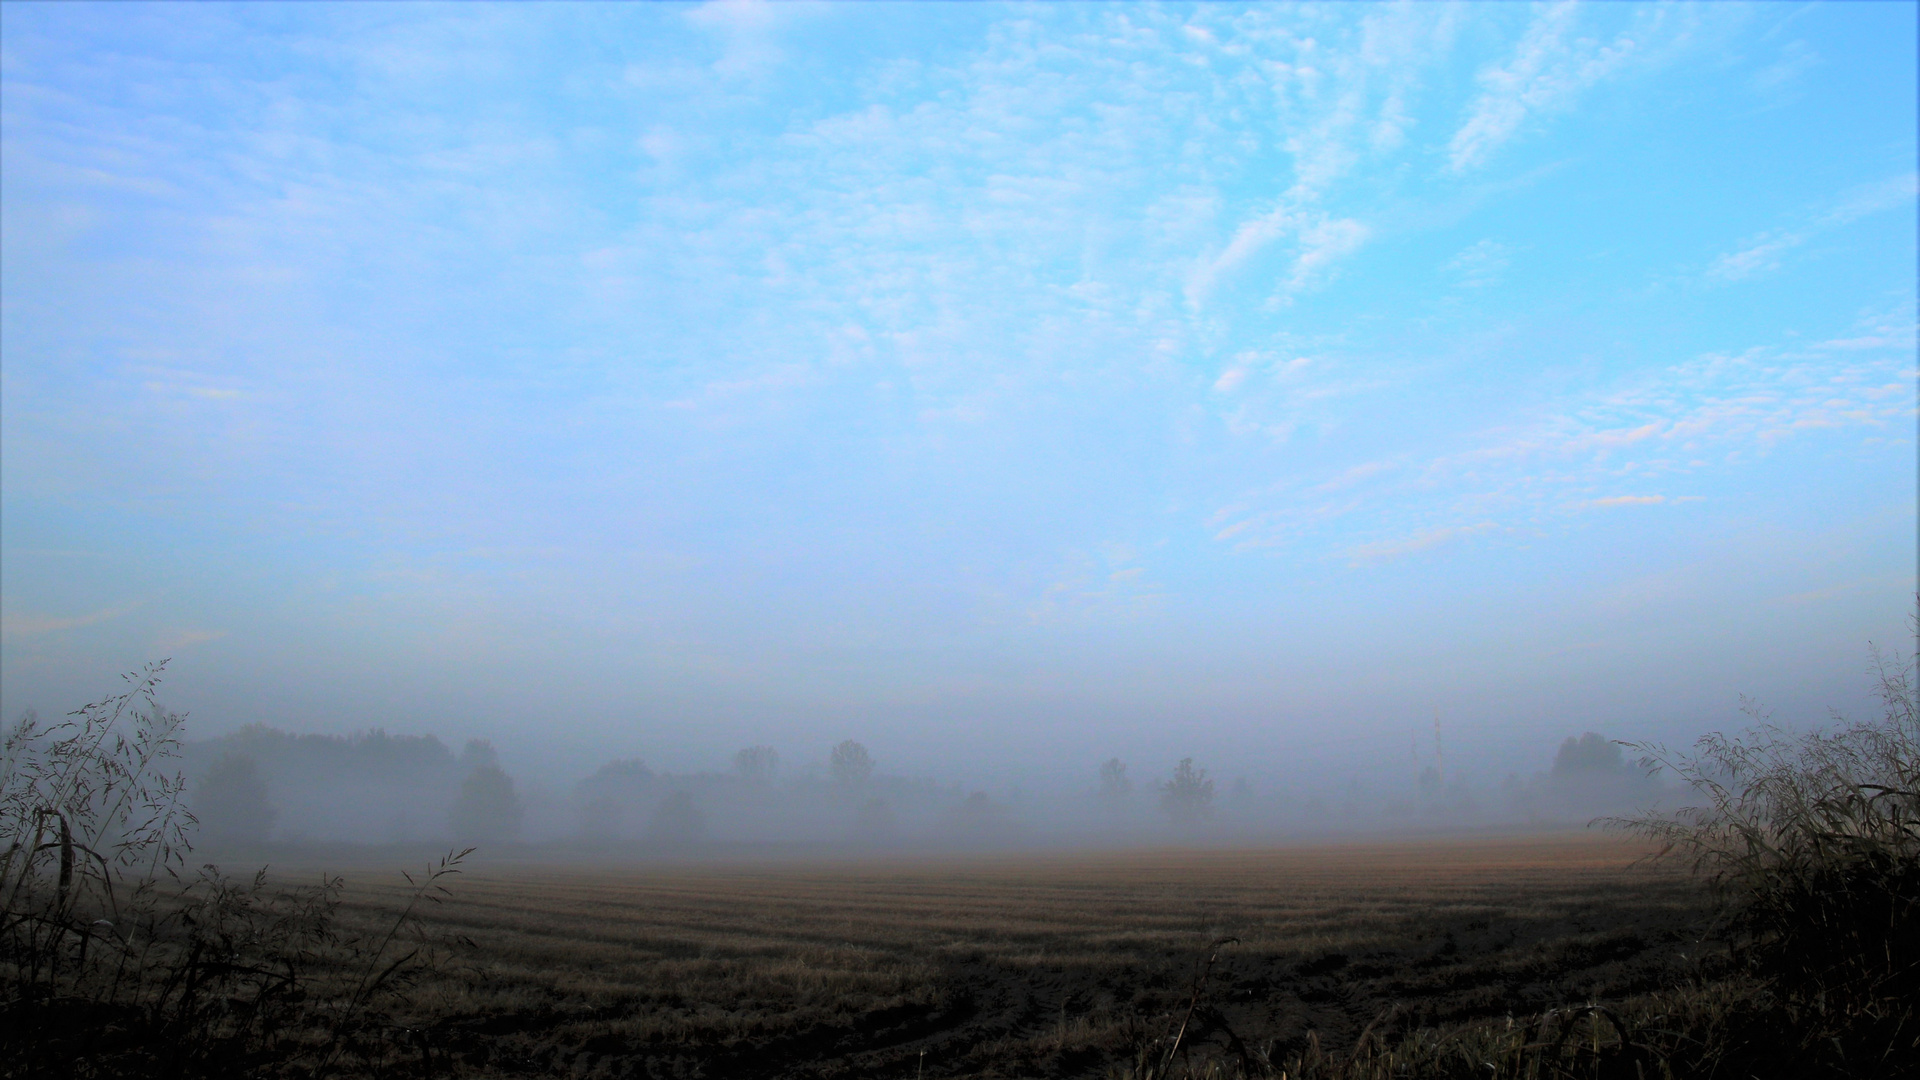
(1003, 386)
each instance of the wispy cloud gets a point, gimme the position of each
(174, 641)
(747, 29)
(1795, 60)
(1388, 550)
(1480, 265)
(1696, 419)
(1549, 69)
(1251, 236)
(1765, 253)
(779, 377)
(1108, 584)
(1343, 107)
(19, 624)
(1356, 475)
(1892, 193)
(1624, 500)
(1322, 244)
(1761, 255)
(1317, 242)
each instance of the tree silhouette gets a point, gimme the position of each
(231, 801)
(478, 753)
(609, 796)
(756, 763)
(850, 763)
(1188, 797)
(1115, 788)
(488, 809)
(1589, 755)
(620, 778)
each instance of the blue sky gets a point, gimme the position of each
(988, 383)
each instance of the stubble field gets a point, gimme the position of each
(1030, 965)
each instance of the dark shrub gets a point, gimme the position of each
(1813, 840)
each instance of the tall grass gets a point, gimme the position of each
(115, 960)
(1812, 842)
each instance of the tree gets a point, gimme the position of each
(620, 778)
(1592, 754)
(488, 809)
(1188, 797)
(756, 764)
(850, 763)
(477, 753)
(231, 802)
(1115, 788)
(1590, 775)
(616, 789)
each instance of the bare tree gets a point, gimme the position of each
(1188, 797)
(850, 763)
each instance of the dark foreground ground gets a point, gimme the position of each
(1041, 966)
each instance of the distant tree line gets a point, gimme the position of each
(261, 784)
(367, 786)
(624, 801)
(1186, 797)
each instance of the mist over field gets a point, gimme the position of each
(502, 417)
(261, 786)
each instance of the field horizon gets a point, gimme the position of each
(356, 860)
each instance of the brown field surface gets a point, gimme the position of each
(1028, 965)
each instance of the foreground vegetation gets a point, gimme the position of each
(1543, 957)
(119, 961)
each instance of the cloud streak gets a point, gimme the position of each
(1699, 419)
(22, 624)
(1389, 550)
(1551, 67)
(1766, 253)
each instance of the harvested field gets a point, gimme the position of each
(1030, 965)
